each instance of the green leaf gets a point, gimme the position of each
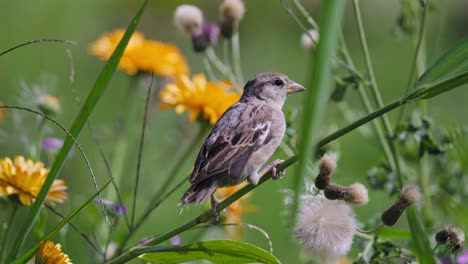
(393, 233)
(448, 72)
(422, 248)
(98, 88)
(216, 251)
(28, 254)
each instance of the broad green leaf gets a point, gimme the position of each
(448, 72)
(28, 254)
(422, 248)
(216, 251)
(393, 233)
(98, 88)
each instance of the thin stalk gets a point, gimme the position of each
(140, 149)
(36, 146)
(236, 58)
(373, 83)
(156, 200)
(225, 70)
(306, 14)
(14, 209)
(208, 215)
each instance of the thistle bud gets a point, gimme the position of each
(410, 194)
(188, 18)
(453, 236)
(355, 194)
(327, 166)
(48, 104)
(310, 40)
(231, 13)
(206, 36)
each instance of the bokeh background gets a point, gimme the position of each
(270, 41)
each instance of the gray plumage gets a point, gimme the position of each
(244, 138)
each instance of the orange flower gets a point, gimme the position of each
(50, 253)
(199, 97)
(162, 59)
(25, 178)
(233, 213)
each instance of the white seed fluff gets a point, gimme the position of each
(357, 194)
(325, 228)
(410, 193)
(188, 18)
(232, 10)
(310, 43)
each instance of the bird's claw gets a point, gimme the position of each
(274, 173)
(214, 208)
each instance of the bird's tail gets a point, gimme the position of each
(198, 193)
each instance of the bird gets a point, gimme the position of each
(243, 139)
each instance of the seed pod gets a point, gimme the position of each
(231, 13)
(335, 191)
(188, 18)
(327, 166)
(453, 236)
(410, 194)
(356, 194)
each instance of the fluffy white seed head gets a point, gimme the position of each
(325, 228)
(310, 43)
(188, 18)
(357, 194)
(232, 10)
(327, 164)
(410, 194)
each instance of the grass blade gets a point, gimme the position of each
(422, 249)
(94, 96)
(317, 92)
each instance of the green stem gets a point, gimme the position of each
(14, 209)
(373, 83)
(140, 151)
(36, 146)
(225, 70)
(306, 14)
(235, 44)
(171, 176)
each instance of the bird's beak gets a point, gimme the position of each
(294, 87)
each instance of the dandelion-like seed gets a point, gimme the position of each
(356, 194)
(25, 178)
(199, 97)
(188, 18)
(410, 194)
(50, 253)
(310, 39)
(325, 228)
(453, 236)
(231, 13)
(327, 166)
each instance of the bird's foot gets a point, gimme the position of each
(214, 208)
(272, 167)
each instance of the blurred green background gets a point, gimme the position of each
(270, 41)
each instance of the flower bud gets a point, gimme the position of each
(355, 194)
(310, 39)
(48, 104)
(231, 13)
(334, 191)
(207, 35)
(327, 166)
(453, 236)
(188, 18)
(410, 194)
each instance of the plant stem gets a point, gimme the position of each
(225, 70)
(304, 12)
(235, 44)
(36, 146)
(14, 209)
(140, 151)
(171, 176)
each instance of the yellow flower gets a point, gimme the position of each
(199, 97)
(25, 178)
(162, 59)
(233, 213)
(49, 253)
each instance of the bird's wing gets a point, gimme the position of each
(241, 130)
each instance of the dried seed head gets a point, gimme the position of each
(325, 228)
(231, 13)
(188, 18)
(335, 191)
(356, 194)
(453, 236)
(327, 166)
(48, 104)
(410, 194)
(310, 39)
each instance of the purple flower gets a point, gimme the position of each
(52, 144)
(207, 35)
(175, 240)
(119, 209)
(463, 258)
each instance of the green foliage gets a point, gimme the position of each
(216, 251)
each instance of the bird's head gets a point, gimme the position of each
(271, 87)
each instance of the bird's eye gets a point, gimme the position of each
(278, 82)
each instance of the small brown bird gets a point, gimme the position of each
(243, 139)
